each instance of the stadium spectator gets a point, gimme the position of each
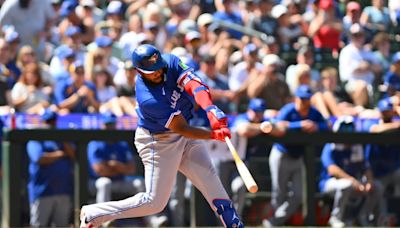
(392, 78)
(61, 62)
(381, 45)
(28, 93)
(383, 159)
(126, 91)
(288, 31)
(305, 55)
(268, 84)
(394, 9)
(7, 79)
(286, 161)
(218, 84)
(13, 41)
(352, 16)
(106, 92)
(76, 95)
(263, 21)
(227, 13)
(345, 174)
(27, 55)
(31, 20)
(376, 18)
(50, 179)
(357, 67)
(334, 96)
(325, 28)
(241, 71)
(70, 18)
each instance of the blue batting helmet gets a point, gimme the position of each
(147, 59)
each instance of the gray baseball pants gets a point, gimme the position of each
(286, 199)
(163, 155)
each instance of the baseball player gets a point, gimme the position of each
(166, 92)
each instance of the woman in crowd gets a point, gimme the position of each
(27, 94)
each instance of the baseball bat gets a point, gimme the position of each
(248, 179)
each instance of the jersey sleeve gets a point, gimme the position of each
(94, 153)
(326, 156)
(182, 72)
(158, 112)
(35, 151)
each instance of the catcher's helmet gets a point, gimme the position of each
(147, 59)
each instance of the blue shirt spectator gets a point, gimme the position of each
(296, 119)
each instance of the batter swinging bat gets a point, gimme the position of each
(241, 167)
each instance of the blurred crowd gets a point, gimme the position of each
(297, 63)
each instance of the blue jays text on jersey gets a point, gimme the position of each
(159, 103)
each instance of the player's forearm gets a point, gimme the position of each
(337, 172)
(50, 158)
(70, 101)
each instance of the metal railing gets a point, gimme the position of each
(15, 140)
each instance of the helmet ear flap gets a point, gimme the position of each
(147, 59)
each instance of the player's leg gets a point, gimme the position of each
(343, 190)
(161, 158)
(62, 211)
(41, 210)
(282, 169)
(103, 189)
(197, 166)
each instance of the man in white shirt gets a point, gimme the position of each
(357, 67)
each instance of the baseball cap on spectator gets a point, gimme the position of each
(396, 58)
(192, 35)
(344, 124)
(108, 118)
(271, 59)
(180, 52)
(236, 57)
(11, 36)
(257, 105)
(356, 29)
(114, 7)
(75, 65)
(204, 19)
(353, 6)
(142, 38)
(186, 26)
(326, 4)
(72, 30)
(385, 105)
(103, 41)
(304, 92)
(65, 52)
(278, 10)
(249, 49)
(88, 3)
(67, 8)
(48, 115)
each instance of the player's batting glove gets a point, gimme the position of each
(220, 134)
(217, 117)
